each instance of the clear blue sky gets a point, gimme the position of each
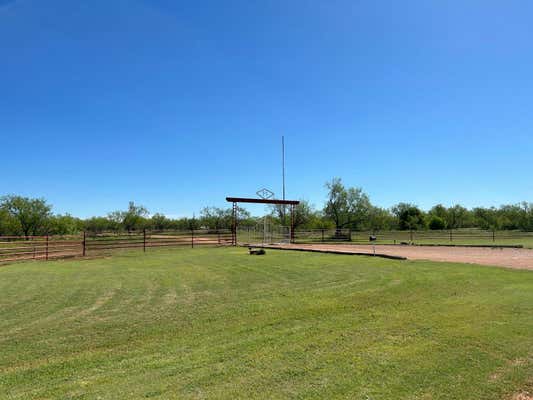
(176, 105)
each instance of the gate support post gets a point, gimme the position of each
(144, 240)
(292, 223)
(234, 226)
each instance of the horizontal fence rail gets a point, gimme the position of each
(15, 248)
(443, 237)
(471, 237)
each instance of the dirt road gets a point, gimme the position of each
(502, 257)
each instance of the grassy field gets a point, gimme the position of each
(218, 323)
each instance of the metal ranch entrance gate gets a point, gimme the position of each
(236, 200)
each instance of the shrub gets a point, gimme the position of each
(437, 223)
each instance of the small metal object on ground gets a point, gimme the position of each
(257, 252)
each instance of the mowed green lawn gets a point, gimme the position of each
(219, 323)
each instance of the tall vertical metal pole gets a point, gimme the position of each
(283, 164)
(283, 177)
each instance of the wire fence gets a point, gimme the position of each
(15, 248)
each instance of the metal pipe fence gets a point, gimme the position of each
(443, 237)
(16, 248)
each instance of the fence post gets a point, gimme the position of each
(350, 235)
(192, 238)
(322, 235)
(84, 244)
(46, 257)
(451, 235)
(144, 240)
(218, 236)
(411, 236)
(493, 236)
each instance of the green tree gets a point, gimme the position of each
(4, 215)
(131, 219)
(486, 218)
(8, 224)
(193, 223)
(216, 218)
(379, 219)
(222, 218)
(457, 217)
(65, 225)
(527, 217)
(439, 211)
(346, 207)
(96, 225)
(115, 220)
(135, 217)
(32, 215)
(160, 222)
(319, 221)
(179, 224)
(409, 216)
(436, 223)
(244, 218)
(304, 213)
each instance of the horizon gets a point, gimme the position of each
(176, 107)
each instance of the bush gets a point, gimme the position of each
(437, 223)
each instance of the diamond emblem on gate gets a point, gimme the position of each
(265, 194)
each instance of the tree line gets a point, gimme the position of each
(345, 208)
(24, 216)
